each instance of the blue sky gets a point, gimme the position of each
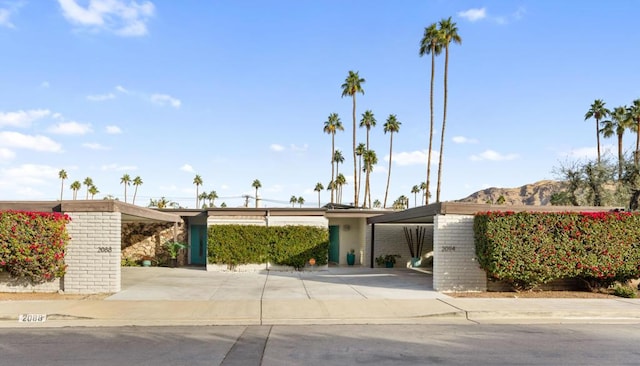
(239, 90)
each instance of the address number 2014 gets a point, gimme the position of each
(104, 249)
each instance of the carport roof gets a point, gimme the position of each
(425, 214)
(130, 213)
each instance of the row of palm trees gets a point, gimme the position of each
(212, 196)
(91, 187)
(622, 118)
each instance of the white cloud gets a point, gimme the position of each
(586, 152)
(37, 143)
(187, 168)
(121, 89)
(116, 167)
(121, 17)
(100, 97)
(22, 118)
(29, 174)
(493, 156)
(6, 154)
(164, 99)
(411, 158)
(295, 147)
(276, 147)
(473, 15)
(113, 130)
(5, 14)
(45, 85)
(70, 128)
(464, 140)
(94, 146)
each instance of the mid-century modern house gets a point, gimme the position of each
(100, 224)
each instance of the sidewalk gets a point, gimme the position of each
(186, 297)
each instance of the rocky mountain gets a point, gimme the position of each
(538, 193)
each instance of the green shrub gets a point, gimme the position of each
(32, 244)
(625, 291)
(283, 245)
(528, 249)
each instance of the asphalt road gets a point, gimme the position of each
(477, 344)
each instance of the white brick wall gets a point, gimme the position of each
(93, 254)
(390, 239)
(455, 267)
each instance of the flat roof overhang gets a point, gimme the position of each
(129, 212)
(426, 214)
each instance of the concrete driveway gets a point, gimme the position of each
(336, 283)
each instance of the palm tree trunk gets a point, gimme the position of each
(433, 66)
(620, 157)
(333, 149)
(444, 121)
(61, 189)
(386, 192)
(318, 199)
(598, 138)
(135, 193)
(359, 177)
(636, 155)
(355, 173)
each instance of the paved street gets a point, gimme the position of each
(560, 344)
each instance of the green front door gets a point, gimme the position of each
(199, 244)
(334, 243)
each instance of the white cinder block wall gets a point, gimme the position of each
(390, 239)
(93, 254)
(455, 267)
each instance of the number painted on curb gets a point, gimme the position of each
(32, 318)
(448, 248)
(104, 249)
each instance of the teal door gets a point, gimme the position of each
(199, 244)
(334, 243)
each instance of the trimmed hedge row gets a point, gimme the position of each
(32, 244)
(528, 249)
(283, 245)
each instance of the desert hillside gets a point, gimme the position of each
(538, 193)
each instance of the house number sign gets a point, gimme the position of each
(104, 249)
(448, 248)
(32, 318)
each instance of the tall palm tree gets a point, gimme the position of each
(331, 126)
(293, 200)
(62, 174)
(338, 159)
(301, 201)
(137, 181)
(256, 184)
(450, 34)
(368, 121)
(377, 203)
(202, 198)
(370, 160)
(392, 126)
(340, 182)
(352, 86)
(424, 188)
(197, 180)
(75, 187)
(93, 190)
(598, 112)
(126, 180)
(431, 44)
(319, 187)
(620, 121)
(360, 149)
(634, 115)
(212, 197)
(415, 190)
(88, 182)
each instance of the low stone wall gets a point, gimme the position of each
(12, 284)
(140, 240)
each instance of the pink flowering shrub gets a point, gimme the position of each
(32, 244)
(528, 249)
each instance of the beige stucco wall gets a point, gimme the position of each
(352, 233)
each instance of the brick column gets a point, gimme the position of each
(455, 267)
(93, 254)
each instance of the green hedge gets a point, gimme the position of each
(529, 249)
(32, 244)
(283, 245)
